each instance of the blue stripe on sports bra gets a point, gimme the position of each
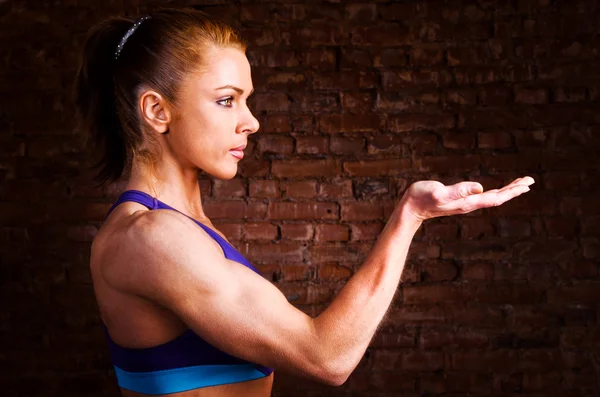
(184, 379)
(188, 362)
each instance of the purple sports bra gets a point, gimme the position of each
(188, 362)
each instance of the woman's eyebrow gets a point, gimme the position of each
(239, 90)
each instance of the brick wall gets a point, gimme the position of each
(356, 101)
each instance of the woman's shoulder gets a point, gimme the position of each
(140, 240)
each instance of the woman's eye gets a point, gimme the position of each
(227, 102)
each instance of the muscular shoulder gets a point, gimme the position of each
(151, 246)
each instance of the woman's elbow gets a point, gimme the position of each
(335, 375)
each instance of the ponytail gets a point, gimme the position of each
(97, 117)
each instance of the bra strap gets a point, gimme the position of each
(137, 197)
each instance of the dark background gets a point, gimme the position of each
(356, 101)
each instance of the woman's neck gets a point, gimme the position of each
(172, 185)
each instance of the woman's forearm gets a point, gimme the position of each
(346, 327)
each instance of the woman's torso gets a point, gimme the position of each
(136, 323)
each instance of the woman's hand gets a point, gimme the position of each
(430, 199)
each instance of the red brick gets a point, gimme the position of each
(298, 273)
(328, 232)
(572, 95)
(272, 102)
(344, 80)
(307, 188)
(438, 271)
(254, 13)
(389, 144)
(387, 360)
(514, 228)
(542, 382)
(458, 140)
(342, 145)
(259, 37)
(492, 95)
(346, 253)
(337, 189)
(474, 360)
(283, 252)
(531, 95)
(477, 271)
(260, 231)
(416, 122)
(335, 123)
(456, 382)
(477, 250)
(312, 144)
(591, 226)
(377, 168)
(264, 188)
(256, 209)
(561, 227)
(83, 233)
(494, 140)
(448, 164)
(384, 34)
(482, 317)
(229, 188)
(307, 102)
(297, 231)
(359, 102)
(389, 58)
(232, 231)
(431, 294)
(423, 250)
(476, 228)
(319, 33)
(415, 360)
(329, 272)
(252, 167)
(298, 293)
(426, 54)
(561, 180)
(276, 123)
(415, 80)
(285, 81)
(319, 58)
(579, 294)
(352, 59)
(443, 231)
(461, 96)
(365, 231)
(404, 338)
(493, 118)
(304, 168)
(435, 338)
(361, 211)
(275, 144)
(268, 271)
(298, 211)
(361, 12)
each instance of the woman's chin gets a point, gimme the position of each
(225, 173)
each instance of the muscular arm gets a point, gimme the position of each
(171, 261)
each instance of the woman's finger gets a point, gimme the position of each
(490, 198)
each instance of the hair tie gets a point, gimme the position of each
(128, 34)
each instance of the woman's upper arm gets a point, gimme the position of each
(174, 263)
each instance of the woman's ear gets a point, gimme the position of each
(155, 111)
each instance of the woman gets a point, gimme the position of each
(185, 314)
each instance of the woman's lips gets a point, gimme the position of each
(238, 152)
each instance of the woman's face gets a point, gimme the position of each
(212, 124)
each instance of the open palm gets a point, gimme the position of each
(430, 199)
